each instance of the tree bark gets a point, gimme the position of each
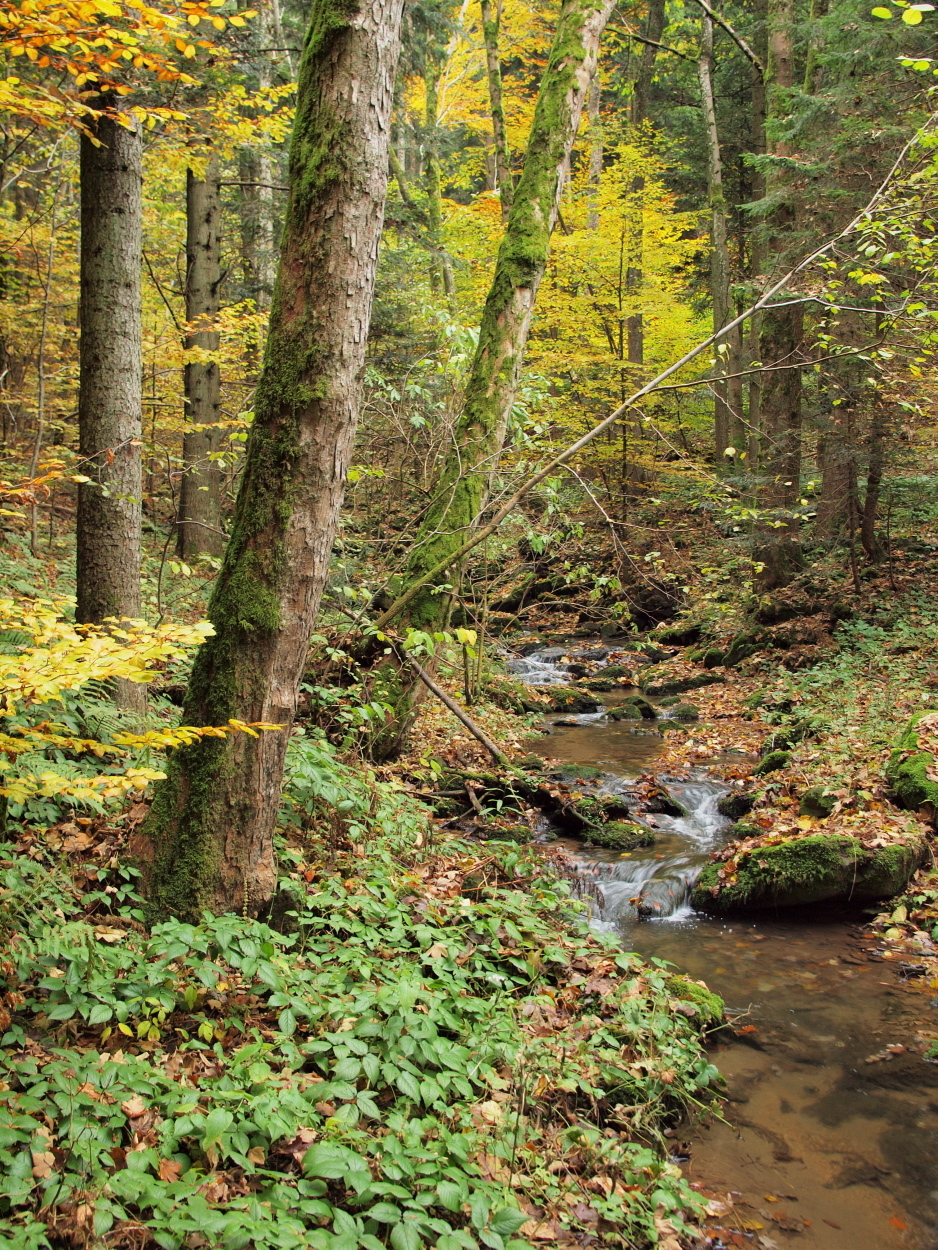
(723, 417)
(872, 547)
(207, 842)
(199, 520)
(110, 402)
(490, 30)
(595, 172)
(782, 328)
(441, 271)
(462, 490)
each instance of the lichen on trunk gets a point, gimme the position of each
(207, 842)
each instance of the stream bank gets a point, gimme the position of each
(831, 1127)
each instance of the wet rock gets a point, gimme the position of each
(735, 805)
(587, 814)
(660, 803)
(908, 768)
(772, 763)
(640, 704)
(618, 671)
(817, 802)
(685, 711)
(815, 869)
(662, 683)
(511, 695)
(601, 685)
(620, 835)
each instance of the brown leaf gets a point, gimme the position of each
(539, 1230)
(256, 1155)
(134, 1107)
(43, 1164)
(170, 1170)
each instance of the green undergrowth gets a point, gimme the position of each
(437, 1053)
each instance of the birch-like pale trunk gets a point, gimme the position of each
(208, 840)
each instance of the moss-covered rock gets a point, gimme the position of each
(736, 804)
(660, 803)
(601, 685)
(511, 695)
(709, 1007)
(801, 730)
(521, 834)
(908, 768)
(817, 802)
(685, 711)
(815, 869)
(617, 671)
(567, 699)
(577, 772)
(772, 763)
(627, 711)
(711, 657)
(620, 835)
(599, 809)
(660, 683)
(682, 635)
(740, 648)
(641, 705)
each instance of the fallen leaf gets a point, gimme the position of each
(257, 1155)
(897, 1223)
(437, 951)
(539, 1230)
(832, 1224)
(43, 1164)
(170, 1170)
(134, 1107)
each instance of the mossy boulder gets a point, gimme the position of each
(660, 803)
(628, 711)
(641, 705)
(909, 765)
(617, 671)
(511, 695)
(577, 772)
(740, 648)
(709, 1008)
(817, 802)
(712, 657)
(772, 763)
(685, 711)
(662, 682)
(815, 869)
(601, 685)
(588, 813)
(521, 834)
(682, 635)
(620, 835)
(566, 699)
(736, 804)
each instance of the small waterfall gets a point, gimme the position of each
(539, 670)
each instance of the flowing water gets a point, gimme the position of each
(821, 1147)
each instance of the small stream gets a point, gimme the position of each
(821, 1148)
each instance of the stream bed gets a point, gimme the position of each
(830, 1139)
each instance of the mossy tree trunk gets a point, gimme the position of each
(207, 842)
(463, 487)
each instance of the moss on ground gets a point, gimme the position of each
(709, 1007)
(772, 763)
(908, 769)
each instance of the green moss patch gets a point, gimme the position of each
(621, 835)
(910, 763)
(815, 869)
(772, 763)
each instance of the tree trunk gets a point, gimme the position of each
(207, 842)
(462, 490)
(781, 331)
(595, 173)
(490, 29)
(110, 373)
(874, 478)
(199, 520)
(723, 417)
(441, 272)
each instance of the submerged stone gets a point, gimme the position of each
(816, 869)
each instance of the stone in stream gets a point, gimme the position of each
(627, 711)
(576, 772)
(638, 704)
(566, 699)
(660, 803)
(586, 814)
(661, 683)
(816, 869)
(685, 711)
(620, 835)
(736, 804)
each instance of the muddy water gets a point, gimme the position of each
(820, 1149)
